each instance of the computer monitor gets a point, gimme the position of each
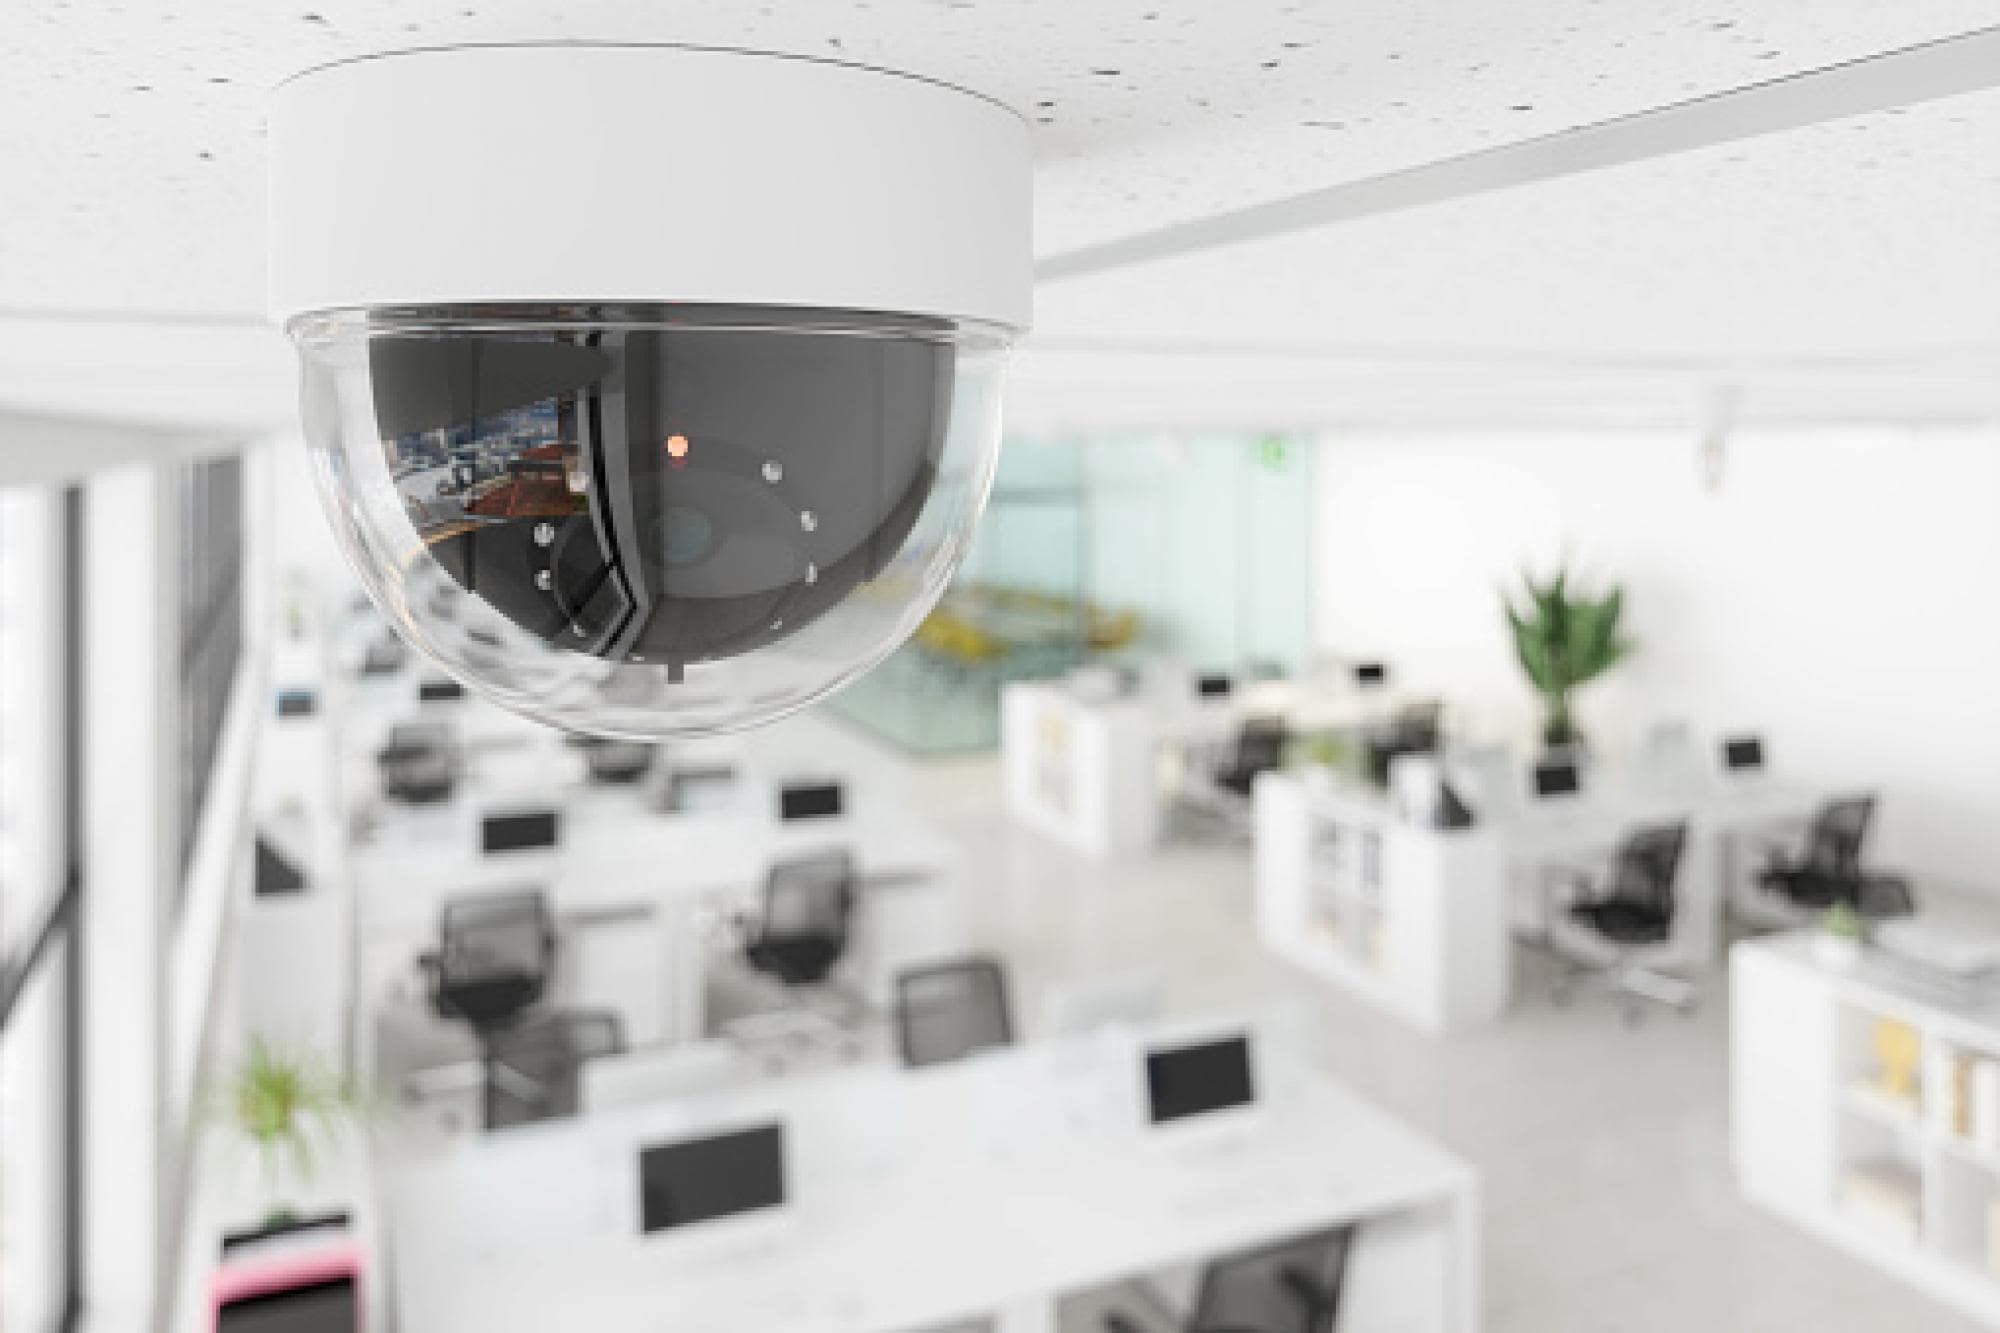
(1743, 754)
(735, 1173)
(439, 689)
(297, 702)
(1199, 1079)
(326, 1306)
(1558, 778)
(307, 1281)
(519, 831)
(809, 800)
(276, 875)
(1371, 675)
(1213, 685)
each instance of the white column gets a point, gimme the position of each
(128, 678)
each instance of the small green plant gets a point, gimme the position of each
(1326, 748)
(1565, 639)
(1842, 922)
(285, 1108)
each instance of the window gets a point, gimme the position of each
(40, 1009)
(211, 624)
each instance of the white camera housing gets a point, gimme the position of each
(651, 390)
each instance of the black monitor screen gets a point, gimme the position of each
(809, 800)
(697, 1180)
(322, 1307)
(1371, 673)
(1742, 753)
(297, 703)
(435, 691)
(1193, 1080)
(1213, 685)
(520, 831)
(1557, 778)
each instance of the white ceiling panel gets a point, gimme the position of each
(131, 172)
(1867, 238)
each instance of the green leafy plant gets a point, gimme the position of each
(1565, 638)
(1327, 748)
(1842, 922)
(285, 1108)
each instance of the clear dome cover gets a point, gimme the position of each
(657, 521)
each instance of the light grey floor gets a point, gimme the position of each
(1602, 1148)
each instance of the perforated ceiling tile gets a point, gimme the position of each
(1853, 238)
(130, 161)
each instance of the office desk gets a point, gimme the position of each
(621, 865)
(983, 1189)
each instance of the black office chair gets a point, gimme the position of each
(1829, 871)
(1293, 1286)
(615, 762)
(1631, 910)
(948, 1011)
(808, 906)
(495, 956)
(537, 1064)
(418, 764)
(1259, 748)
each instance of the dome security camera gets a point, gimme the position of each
(653, 391)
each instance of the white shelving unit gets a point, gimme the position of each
(1809, 1115)
(1411, 919)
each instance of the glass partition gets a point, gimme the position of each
(1189, 549)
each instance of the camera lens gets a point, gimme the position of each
(683, 535)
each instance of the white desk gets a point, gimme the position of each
(983, 1189)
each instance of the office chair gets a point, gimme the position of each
(537, 1064)
(793, 947)
(1259, 748)
(614, 762)
(1629, 913)
(948, 1011)
(808, 906)
(1293, 1286)
(495, 955)
(1829, 871)
(418, 764)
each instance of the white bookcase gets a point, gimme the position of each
(1411, 919)
(1817, 1139)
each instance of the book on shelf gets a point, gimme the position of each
(1885, 1194)
(1983, 1111)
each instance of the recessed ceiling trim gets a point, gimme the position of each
(1948, 67)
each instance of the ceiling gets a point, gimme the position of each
(131, 182)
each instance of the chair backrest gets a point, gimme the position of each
(1645, 866)
(1260, 744)
(543, 1064)
(1834, 842)
(1290, 1287)
(809, 897)
(495, 953)
(952, 1010)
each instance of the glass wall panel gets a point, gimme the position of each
(1190, 549)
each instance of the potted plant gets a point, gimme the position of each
(1565, 639)
(1839, 940)
(286, 1108)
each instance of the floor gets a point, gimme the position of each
(1602, 1148)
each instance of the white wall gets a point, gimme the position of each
(1840, 593)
